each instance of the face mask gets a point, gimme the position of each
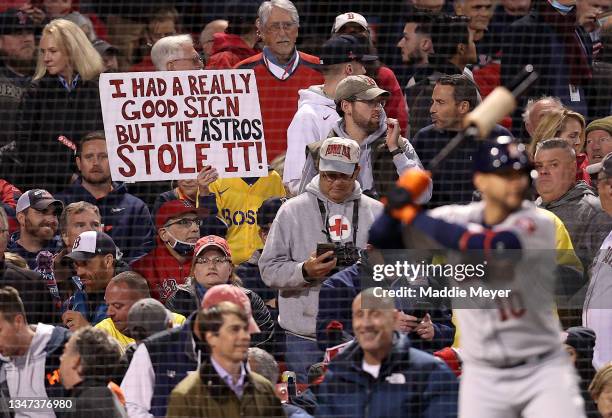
(561, 7)
(181, 247)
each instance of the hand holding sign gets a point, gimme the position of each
(173, 125)
(206, 176)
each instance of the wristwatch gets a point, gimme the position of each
(397, 151)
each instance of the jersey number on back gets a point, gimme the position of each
(510, 307)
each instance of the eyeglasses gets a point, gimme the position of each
(214, 260)
(332, 176)
(373, 103)
(186, 222)
(196, 60)
(277, 26)
(599, 141)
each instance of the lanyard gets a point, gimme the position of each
(325, 219)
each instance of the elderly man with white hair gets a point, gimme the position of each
(175, 53)
(280, 70)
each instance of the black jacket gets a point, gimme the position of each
(531, 40)
(185, 300)
(454, 183)
(49, 111)
(34, 293)
(418, 96)
(94, 397)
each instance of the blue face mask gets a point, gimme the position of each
(181, 247)
(561, 7)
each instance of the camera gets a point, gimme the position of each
(346, 254)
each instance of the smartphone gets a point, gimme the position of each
(419, 310)
(324, 247)
(291, 380)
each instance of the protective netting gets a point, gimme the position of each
(146, 149)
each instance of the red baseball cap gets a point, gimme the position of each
(228, 293)
(212, 241)
(173, 209)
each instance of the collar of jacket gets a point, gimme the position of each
(351, 359)
(81, 192)
(576, 192)
(216, 386)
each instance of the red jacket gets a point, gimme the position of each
(278, 98)
(228, 50)
(582, 162)
(163, 272)
(396, 104)
(9, 195)
(146, 65)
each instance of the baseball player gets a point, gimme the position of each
(514, 364)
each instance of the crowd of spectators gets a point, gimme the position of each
(227, 297)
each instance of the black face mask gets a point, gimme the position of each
(181, 247)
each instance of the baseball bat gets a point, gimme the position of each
(479, 122)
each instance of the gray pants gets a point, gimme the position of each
(534, 390)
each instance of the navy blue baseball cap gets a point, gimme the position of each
(14, 21)
(501, 154)
(345, 48)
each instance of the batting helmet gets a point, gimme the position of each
(501, 154)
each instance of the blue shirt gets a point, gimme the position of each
(237, 387)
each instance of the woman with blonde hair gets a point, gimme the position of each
(569, 126)
(61, 105)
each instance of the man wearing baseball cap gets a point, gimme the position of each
(332, 210)
(109, 54)
(596, 314)
(212, 267)
(385, 154)
(341, 57)
(17, 62)
(37, 215)
(166, 267)
(599, 139)
(96, 261)
(354, 24)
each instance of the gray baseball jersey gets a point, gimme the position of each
(597, 313)
(511, 329)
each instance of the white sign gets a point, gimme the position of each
(168, 125)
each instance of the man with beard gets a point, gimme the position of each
(453, 97)
(17, 59)
(37, 213)
(126, 218)
(384, 153)
(96, 261)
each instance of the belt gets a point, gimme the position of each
(529, 360)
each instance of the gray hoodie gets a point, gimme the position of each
(585, 220)
(294, 235)
(25, 375)
(402, 162)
